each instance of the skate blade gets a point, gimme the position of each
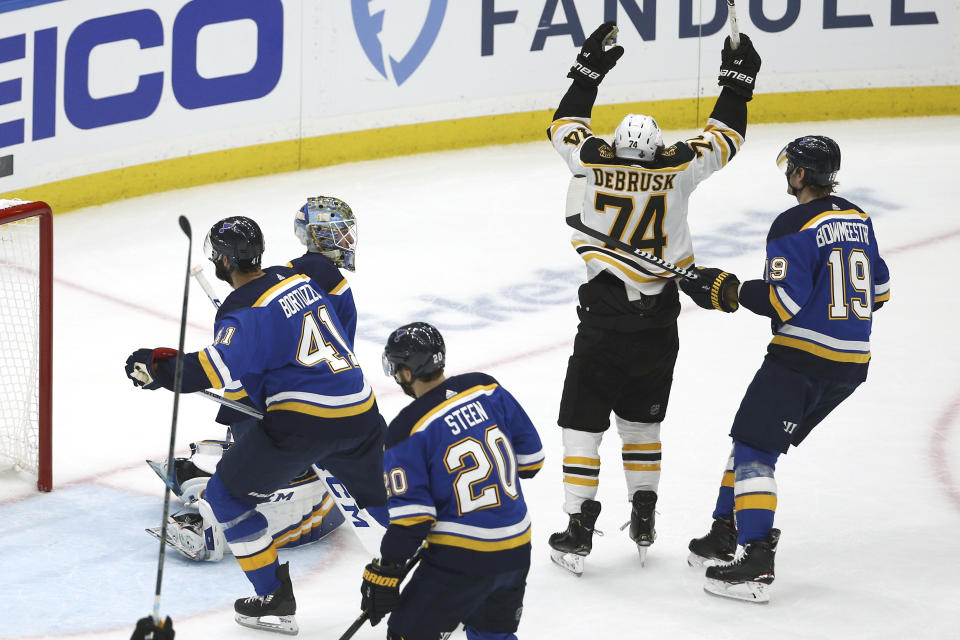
(696, 560)
(175, 543)
(756, 592)
(642, 550)
(569, 561)
(286, 625)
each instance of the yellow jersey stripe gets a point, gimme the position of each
(814, 221)
(530, 467)
(883, 297)
(778, 306)
(323, 412)
(235, 395)
(340, 287)
(821, 351)
(264, 299)
(755, 501)
(412, 520)
(259, 560)
(215, 381)
(727, 479)
(624, 268)
(480, 545)
(440, 408)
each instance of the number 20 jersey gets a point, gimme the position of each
(642, 204)
(454, 458)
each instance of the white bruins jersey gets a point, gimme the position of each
(642, 203)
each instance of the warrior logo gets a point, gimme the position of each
(368, 31)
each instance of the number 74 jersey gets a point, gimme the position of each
(642, 204)
(454, 458)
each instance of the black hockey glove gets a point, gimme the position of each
(141, 366)
(147, 629)
(714, 289)
(739, 67)
(593, 62)
(380, 589)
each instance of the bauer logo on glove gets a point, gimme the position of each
(713, 289)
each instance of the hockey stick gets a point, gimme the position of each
(197, 272)
(177, 380)
(363, 617)
(575, 222)
(734, 27)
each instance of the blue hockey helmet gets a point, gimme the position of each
(417, 346)
(327, 226)
(237, 238)
(818, 156)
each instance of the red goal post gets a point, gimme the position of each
(26, 338)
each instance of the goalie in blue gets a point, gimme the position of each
(823, 281)
(453, 462)
(276, 334)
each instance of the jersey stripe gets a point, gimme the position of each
(216, 381)
(820, 350)
(280, 288)
(462, 397)
(324, 412)
(828, 215)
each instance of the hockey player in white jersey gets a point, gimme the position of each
(636, 190)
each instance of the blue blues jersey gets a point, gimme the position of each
(277, 336)
(325, 274)
(452, 465)
(824, 278)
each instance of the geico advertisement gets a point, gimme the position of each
(92, 86)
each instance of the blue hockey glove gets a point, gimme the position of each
(714, 289)
(141, 366)
(147, 629)
(380, 589)
(593, 62)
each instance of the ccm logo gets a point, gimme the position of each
(736, 75)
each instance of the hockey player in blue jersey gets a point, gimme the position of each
(276, 333)
(452, 465)
(823, 280)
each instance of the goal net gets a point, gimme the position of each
(26, 266)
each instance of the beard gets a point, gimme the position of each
(408, 388)
(223, 273)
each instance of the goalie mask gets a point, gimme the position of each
(637, 137)
(327, 226)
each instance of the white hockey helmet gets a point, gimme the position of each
(637, 138)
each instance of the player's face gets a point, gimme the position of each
(795, 181)
(404, 378)
(222, 271)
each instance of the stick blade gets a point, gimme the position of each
(185, 226)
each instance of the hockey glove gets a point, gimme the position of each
(739, 67)
(593, 62)
(141, 366)
(714, 289)
(380, 589)
(147, 629)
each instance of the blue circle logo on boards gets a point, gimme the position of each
(368, 29)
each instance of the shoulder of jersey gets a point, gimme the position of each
(249, 293)
(321, 270)
(401, 426)
(795, 218)
(596, 151)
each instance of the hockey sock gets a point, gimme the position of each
(641, 452)
(245, 529)
(581, 468)
(755, 491)
(724, 507)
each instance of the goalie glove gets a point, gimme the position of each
(714, 289)
(380, 589)
(593, 61)
(739, 67)
(141, 366)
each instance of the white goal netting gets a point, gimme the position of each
(19, 339)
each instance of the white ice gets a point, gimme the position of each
(473, 241)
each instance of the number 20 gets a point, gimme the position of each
(503, 457)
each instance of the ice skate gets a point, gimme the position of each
(568, 548)
(185, 534)
(278, 607)
(642, 521)
(717, 547)
(749, 576)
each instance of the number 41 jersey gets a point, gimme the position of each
(453, 461)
